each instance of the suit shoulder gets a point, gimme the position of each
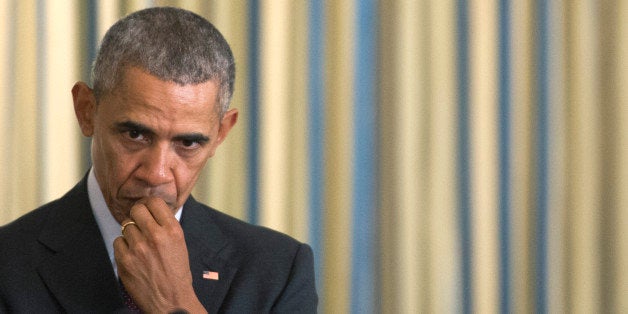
(32, 221)
(251, 241)
(19, 240)
(249, 233)
(26, 224)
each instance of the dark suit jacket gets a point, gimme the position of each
(54, 259)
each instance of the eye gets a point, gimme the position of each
(136, 135)
(189, 144)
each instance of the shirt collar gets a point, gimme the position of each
(109, 227)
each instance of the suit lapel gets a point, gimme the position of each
(77, 270)
(207, 246)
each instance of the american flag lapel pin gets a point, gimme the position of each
(210, 275)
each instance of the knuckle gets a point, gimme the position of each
(141, 249)
(157, 238)
(124, 261)
(153, 202)
(167, 235)
(135, 208)
(174, 232)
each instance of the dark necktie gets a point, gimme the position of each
(128, 301)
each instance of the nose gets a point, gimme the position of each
(156, 166)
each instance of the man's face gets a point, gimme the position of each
(150, 137)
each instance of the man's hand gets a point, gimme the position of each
(152, 260)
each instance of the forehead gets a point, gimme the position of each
(142, 97)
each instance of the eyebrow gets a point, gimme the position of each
(131, 125)
(194, 137)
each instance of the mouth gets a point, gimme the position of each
(132, 200)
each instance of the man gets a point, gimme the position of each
(159, 108)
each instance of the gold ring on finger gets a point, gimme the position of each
(126, 224)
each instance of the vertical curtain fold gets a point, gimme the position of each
(339, 86)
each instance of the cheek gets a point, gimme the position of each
(187, 175)
(114, 162)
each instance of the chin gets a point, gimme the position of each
(119, 215)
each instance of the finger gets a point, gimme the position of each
(120, 248)
(160, 211)
(131, 232)
(121, 253)
(143, 217)
(126, 224)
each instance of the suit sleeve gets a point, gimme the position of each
(299, 294)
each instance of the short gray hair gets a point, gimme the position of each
(169, 43)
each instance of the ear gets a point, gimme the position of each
(84, 107)
(229, 119)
